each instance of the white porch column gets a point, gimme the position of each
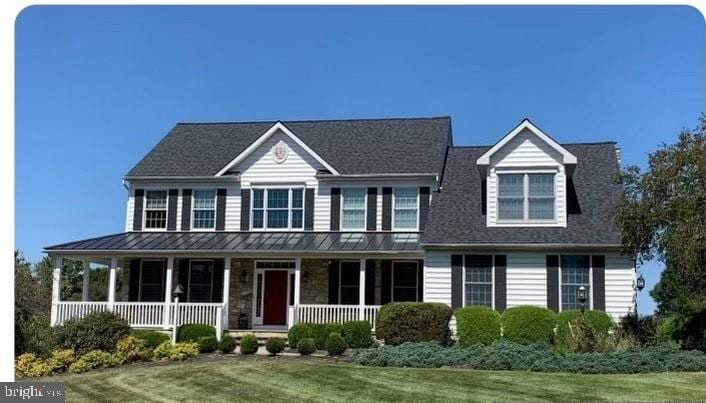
(297, 289)
(226, 290)
(86, 279)
(111, 283)
(361, 291)
(56, 289)
(167, 291)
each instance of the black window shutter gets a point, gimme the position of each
(500, 282)
(333, 282)
(456, 281)
(217, 293)
(171, 209)
(221, 195)
(553, 282)
(598, 282)
(335, 209)
(309, 209)
(423, 206)
(386, 283)
(386, 209)
(134, 290)
(183, 275)
(420, 280)
(245, 209)
(137, 212)
(370, 282)
(483, 196)
(372, 209)
(185, 209)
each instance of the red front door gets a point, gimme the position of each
(275, 309)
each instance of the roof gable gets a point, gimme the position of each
(523, 128)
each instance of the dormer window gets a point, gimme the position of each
(156, 209)
(526, 196)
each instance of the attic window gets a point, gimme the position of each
(526, 197)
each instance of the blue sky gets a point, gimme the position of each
(97, 87)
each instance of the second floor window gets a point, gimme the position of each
(156, 209)
(278, 208)
(353, 209)
(526, 197)
(405, 208)
(204, 209)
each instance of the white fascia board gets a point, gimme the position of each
(271, 131)
(567, 157)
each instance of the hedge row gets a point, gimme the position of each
(401, 322)
(538, 357)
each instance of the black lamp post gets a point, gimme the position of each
(582, 297)
(639, 285)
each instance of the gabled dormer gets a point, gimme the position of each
(526, 179)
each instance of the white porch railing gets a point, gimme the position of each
(75, 309)
(141, 314)
(335, 313)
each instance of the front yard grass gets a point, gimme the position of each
(318, 379)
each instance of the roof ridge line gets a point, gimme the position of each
(315, 120)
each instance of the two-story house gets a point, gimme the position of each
(265, 224)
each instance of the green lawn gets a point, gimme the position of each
(318, 379)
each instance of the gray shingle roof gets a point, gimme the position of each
(456, 215)
(370, 146)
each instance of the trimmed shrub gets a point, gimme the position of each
(477, 324)
(228, 344)
(528, 324)
(30, 366)
(176, 352)
(95, 331)
(335, 344)
(128, 349)
(208, 344)
(582, 333)
(249, 344)
(275, 345)
(317, 331)
(192, 332)
(306, 346)
(299, 331)
(162, 350)
(357, 334)
(91, 360)
(151, 338)
(59, 360)
(401, 322)
(36, 336)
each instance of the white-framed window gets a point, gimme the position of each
(526, 197)
(353, 208)
(405, 205)
(204, 209)
(155, 209)
(478, 281)
(405, 277)
(277, 208)
(200, 281)
(151, 280)
(575, 271)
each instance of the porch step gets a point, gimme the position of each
(262, 335)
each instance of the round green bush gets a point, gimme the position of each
(249, 344)
(357, 334)
(401, 322)
(192, 332)
(95, 331)
(227, 344)
(320, 332)
(35, 335)
(528, 324)
(275, 345)
(599, 322)
(335, 344)
(306, 346)
(477, 324)
(151, 338)
(299, 331)
(208, 344)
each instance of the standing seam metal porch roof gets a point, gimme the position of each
(246, 242)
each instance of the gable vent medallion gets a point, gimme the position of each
(280, 152)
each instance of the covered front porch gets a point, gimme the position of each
(268, 291)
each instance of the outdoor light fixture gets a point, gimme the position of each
(640, 283)
(178, 291)
(243, 276)
(582, 297)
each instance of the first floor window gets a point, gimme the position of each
(156, 209)
(204, 209)
(405, 208)
(200, 281)
(278, 208)
(575, 272)
(151, 281)
(349, 277)
(353, 209)
(526, 197)
(479, 280)
(404, 281)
